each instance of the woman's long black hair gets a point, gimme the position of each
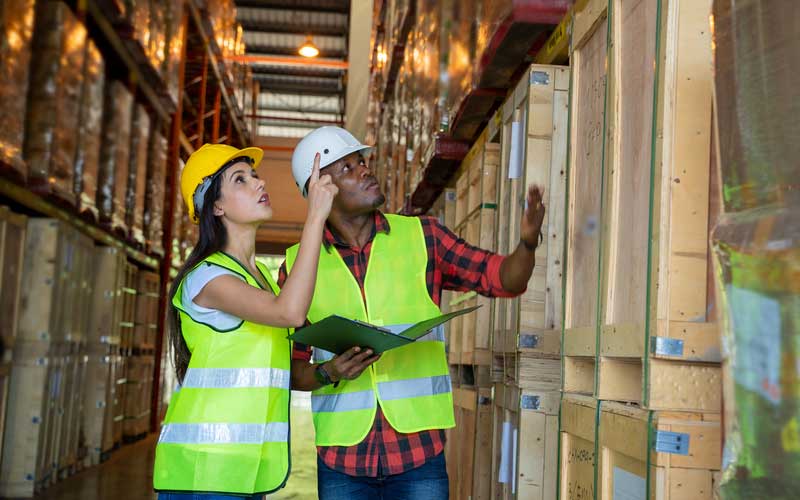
(212, 238)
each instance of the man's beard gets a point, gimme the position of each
(380, 200)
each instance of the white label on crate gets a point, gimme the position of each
(506, 449)
(409, 155)
(756, 321)
(628, 486)
(515, 155)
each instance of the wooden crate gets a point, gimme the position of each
(146, 318)
(97, 400)
(658, 345)
(12, 241)
(138, 389)
(49, 284)
(660, 455)
(469, 444)
(525, 444)
(106, 309)
(584, 192)
(533, 126)
(26, 462)
(117, 413)
(578, 471)
(128, 306)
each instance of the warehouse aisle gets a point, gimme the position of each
(127, 475)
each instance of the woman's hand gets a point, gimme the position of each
(321, 192)
(350, 364)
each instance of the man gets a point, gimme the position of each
(380, 426)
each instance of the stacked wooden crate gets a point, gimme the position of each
(472, 210)
(12, 241)
(45, 409)
(526, 334)
(103, 369)
(141, 363)
(475, 216)
(639, 326)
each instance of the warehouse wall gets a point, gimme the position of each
(288, 205)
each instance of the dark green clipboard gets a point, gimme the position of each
(337, 334)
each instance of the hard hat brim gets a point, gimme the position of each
(255, 154)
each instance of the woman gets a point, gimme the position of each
(226, 433)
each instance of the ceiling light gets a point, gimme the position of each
(308, 49)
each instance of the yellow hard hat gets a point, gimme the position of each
(203, 164)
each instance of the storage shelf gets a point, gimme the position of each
(39, 205)
(108, 34)
(214, 54)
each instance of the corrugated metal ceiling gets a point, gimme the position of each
(296, 98)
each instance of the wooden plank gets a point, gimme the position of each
(580, 341)
(579, 374)
(689, 386)
(482, 467)
(585, 175)
(629, 123)
(578, 437)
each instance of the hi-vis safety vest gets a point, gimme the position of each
(411, 383)
(227, 428)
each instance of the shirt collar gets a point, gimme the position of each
(381, 224)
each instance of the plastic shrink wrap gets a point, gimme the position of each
(154, 192)
(114, 153)
(87, 155)
(51, 123)
(757, 244)
(137, 174)
(16, 29)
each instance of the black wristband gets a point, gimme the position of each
(322, 375)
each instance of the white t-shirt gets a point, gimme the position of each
(193, 284)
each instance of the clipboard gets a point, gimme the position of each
(337, 334)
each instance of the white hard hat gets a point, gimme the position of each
(332, 144)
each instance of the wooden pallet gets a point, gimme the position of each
(658, 344)
(525, 443)
(662, 455)
(584, 196)
(578, 447)
(469, 444)
(12, 241)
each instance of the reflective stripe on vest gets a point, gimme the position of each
(345, 401)
(410, 383)
(414, 387)
(273, 432)
(221, 378)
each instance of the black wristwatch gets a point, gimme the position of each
(322, 375)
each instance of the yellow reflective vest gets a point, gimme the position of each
(227, 428)
(411, 383)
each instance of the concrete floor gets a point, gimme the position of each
(128, 473)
